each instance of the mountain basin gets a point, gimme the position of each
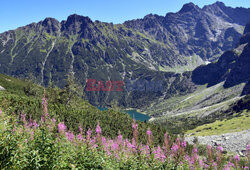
(132, 113)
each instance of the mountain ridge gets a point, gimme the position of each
(48, 51)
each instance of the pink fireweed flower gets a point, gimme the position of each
(205, 166)
(219, 155)
(219, 148)
(175, 148)
(184, 144)
(98, 129)
(159, 154)
(89, 134)
(53, 121)
(209, 147)
(135, 131)
(61, 127)
(80, 129)
(226, 167)
(248, 150)
(166, 141)
(114, 146)
(49, 127)
(134, 125)
(119, 138)
(201, 163)
(236, 158)
(70, 136)
(104, 141)
(30, 123)
(0, 112)
(31, 135)
(214, 165)
(195, 150)
(44, 101)
(23, 117)
(79, 137)
(230, 164)
(35, 125)
(149, 133)
(47, 114)
(108, 152)
(210, 153)
(42, 119)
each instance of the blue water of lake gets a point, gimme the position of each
(138, 116)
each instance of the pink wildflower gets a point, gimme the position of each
(184, 144)
(195, 150)
(149, 133)
(119, 138)
(134, 124)
(23, 117)
(61, 127)
(53, 120)
(135, 131)
(31, 135)
(236, 158)
(175, 148)
(98, 129)
(219, 148)
(35, 125)
(89, 134)
(80, 129)
(79, 137)
(70, 136)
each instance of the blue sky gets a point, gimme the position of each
(16, 13)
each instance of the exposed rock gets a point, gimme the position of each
(232, 142)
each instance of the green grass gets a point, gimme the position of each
(218, 127)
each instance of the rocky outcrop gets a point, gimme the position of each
(232, 142)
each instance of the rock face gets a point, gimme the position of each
(232, 67)
(233, 142)
(194, 31)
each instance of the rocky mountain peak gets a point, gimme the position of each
(51, 25)
(76, 23)
(78, 18)
(189, 7)
(219, 4)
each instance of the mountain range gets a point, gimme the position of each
(142, 49)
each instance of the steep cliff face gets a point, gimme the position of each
(204, 32)
(232, 67)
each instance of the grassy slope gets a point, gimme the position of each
(202, 98)
(204, 106)
(235, 124)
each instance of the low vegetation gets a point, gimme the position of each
(49, 144)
